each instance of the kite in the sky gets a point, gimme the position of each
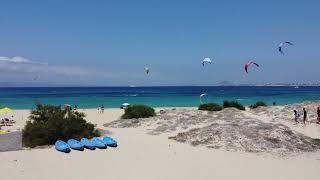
(35, 78)
(206, 60)
(282, 44)
(247, 65)
(146, 69)
(201, 97)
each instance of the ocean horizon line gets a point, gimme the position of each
(241, 85)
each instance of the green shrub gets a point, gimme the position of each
(258, 104)
(48, 124)
(210, 107)
(138, 111)
(235, 104)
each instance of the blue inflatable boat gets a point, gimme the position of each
(98, 143)
(88, 144)
(62, 146)
(109, 141)
(76, 145)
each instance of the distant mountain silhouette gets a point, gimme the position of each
(226, 83)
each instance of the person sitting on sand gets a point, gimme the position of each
(304, 116)
(296, 116)
(7, 122)
(318, 113)
(12, 119)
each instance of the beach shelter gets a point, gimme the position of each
(6, 110)
(125, 105)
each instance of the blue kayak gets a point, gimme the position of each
(109, 141)
(62, 146)
(98, 143)
(76, 145)
(87, 143)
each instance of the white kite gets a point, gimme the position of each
(35, 77)
(206, 60)
(146, 69)
(201, 102)
(282, 44)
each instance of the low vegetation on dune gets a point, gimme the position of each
(231, 129)
(49, 123)
(210, 107)
(235, 104)
(249, 136)
(138, 111)
(258, 104)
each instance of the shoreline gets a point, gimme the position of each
(187, 107)
(112, 114)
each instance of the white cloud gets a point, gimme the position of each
(19, 60)
(20, 69)
(22, 65)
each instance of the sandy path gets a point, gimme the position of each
(142, 156)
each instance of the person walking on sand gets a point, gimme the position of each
(318, 113)
(296, 116)
(304, 116)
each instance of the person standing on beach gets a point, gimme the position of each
(102, 109)
(304, 116)
(296, 116)
(318, 113)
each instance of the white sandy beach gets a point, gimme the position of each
(143, 156)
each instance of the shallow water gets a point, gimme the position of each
(92, 97)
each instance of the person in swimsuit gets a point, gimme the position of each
(102, 109)
(318, 113)
(296, 116)
(304, 116)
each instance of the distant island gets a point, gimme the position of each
(229, 83)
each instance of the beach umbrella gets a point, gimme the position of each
(6, 110)
(3, 131)
(125, 104)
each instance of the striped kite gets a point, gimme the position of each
(247, 65)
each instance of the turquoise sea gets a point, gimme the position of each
(182, 96)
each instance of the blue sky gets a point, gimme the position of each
(108, 43)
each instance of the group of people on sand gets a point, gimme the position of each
(69, 107)
(101, 109)
(305, 116)
(7, 121)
